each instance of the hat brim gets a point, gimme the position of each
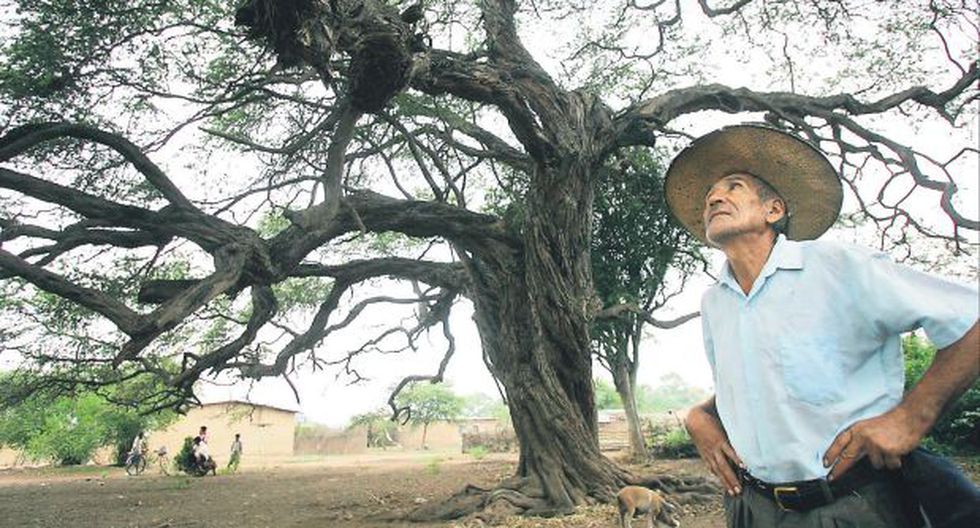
(800, 173)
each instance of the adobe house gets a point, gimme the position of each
(267, 431)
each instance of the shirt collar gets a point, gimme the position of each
(785, 254)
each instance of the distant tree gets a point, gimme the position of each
(480, 405)
(66, 431)
(69, 429)
(606, 396)
(959, 429)
(636, 246)
(381, 430)
(425, 403)
(670, 394)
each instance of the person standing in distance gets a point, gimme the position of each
(236, 453)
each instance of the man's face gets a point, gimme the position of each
(733, 208)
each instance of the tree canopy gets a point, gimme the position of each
(201, 187)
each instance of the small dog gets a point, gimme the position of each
(637, 500)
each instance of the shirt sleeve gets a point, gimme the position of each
(902, 299)
(709, 346)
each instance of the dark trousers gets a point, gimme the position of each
(927, 484)
(875, 505)
(945, 494)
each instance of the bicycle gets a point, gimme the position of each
(136, 463)
(163, 460)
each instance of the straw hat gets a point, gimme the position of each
(799, 172)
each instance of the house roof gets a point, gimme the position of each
(249, 404)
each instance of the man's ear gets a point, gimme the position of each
(775, 211)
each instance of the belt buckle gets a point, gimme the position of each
(778, 491)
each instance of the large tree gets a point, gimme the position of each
(178, 168)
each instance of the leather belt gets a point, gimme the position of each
(806, 495)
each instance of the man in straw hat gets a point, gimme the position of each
(804, 339)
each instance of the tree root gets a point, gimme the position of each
(520, 496)
(683, 490)
(490, 505)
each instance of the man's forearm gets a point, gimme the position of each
(954, 369)
(707, 407)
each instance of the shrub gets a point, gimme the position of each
(185, 458)
(478, 452)
(434, 466)
(499, 441)
(671, 442)
(957, 431)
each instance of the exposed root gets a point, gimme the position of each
(521, 496)
(464, 502)
(512, 497)
(683, 490)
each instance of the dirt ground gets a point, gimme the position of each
(341, 492)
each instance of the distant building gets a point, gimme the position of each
(267, 431)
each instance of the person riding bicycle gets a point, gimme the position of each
(201, 451)
(139, 446)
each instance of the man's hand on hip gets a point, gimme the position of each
(712, 443)
(883, 439)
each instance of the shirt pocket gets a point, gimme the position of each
(812, 370)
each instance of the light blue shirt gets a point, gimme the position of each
(816, 346)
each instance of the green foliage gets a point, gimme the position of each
(670, 441)
(430, 402)
(635, 239)
(68, 429)
(958, 431)
(478, 452)
(382, 431)
(302, 292)
(635, 244)
(670, 394)
(70, 51)
(272, 224)
(480, 405)
(606, 396)
(433, 467)
(184, 461)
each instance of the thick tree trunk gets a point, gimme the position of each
(552, 412)
(533, 312)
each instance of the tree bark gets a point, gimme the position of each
(626, 388)
(533, 311)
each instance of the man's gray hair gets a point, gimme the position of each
(767, 192)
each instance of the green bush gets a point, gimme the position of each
(957, 431)
(668, 441)
(478, 452)
(68, 428)
(434, 466)
(185, 458)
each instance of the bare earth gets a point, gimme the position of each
(343, 492)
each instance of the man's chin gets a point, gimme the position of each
(719, 237)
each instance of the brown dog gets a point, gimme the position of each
(637, 500)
